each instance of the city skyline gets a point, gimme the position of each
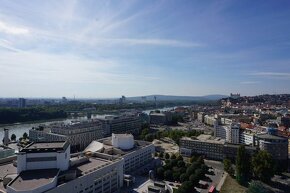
(105, 49)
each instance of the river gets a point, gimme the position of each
(19, 129)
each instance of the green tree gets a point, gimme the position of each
(173, 156)
(242, 166)
(180, 163)
(192, 159)
(186, 187)
(200, 160)
(179, 157)
(194, 178)
(195, 165)
(190, 170)
(257, 187)
(228, 167)
(25, 135)
(183, 177)
(13, 137)
(174, 162)
(144, 132)
(199, 173)
(176, 176)
(160, 172)
(149, 137)
(204, 168)
(168, 175)
(161, 154)
(263, 166)
(167, 156)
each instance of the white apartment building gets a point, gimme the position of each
(210, 120)
(200, 116)
(225, 121)
(247, 138)
(233, 133)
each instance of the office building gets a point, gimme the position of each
(126, 123)
(78, 134)
(211, 148)
(231, 150)
(157, 118)
(275, 145)
(203, 145)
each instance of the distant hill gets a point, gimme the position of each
(178, 98)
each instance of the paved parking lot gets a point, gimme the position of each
(216, 177)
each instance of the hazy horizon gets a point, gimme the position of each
(105, 49)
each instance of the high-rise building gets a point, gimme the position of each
(21, 103)
(233, 133)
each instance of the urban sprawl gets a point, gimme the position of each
(195, 147)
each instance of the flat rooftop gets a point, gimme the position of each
(111, 150)
(33, 179)
(7, 168)
(91, 165)
(268, 136)
(206, 138)
(45, 147)
(158, 114)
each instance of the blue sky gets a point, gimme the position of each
(108, 48)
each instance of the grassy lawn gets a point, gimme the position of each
(231, 185)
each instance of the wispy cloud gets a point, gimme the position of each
(40, 68)
(11, 29)
(7, 45)
(276, 75)
(145, 41)
(250, 82)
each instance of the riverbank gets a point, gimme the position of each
(19, 128)
(32, 122)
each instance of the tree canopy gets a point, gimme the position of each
(243, 169)
(13, 137)
(263, 166)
